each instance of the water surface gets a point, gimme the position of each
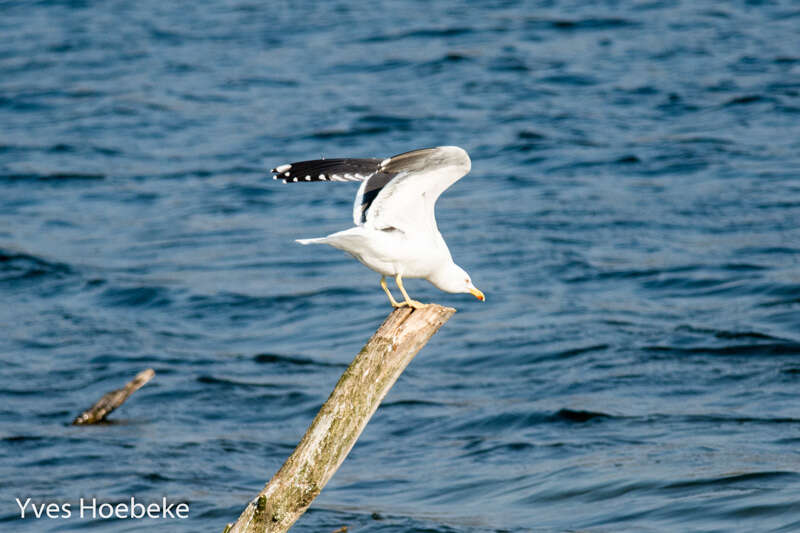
(633, 216)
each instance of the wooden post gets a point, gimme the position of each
(111, 400)
(341, 420)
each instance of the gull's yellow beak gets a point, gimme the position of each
(477, 294)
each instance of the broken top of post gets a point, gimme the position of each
(341, 419)
(111, 400)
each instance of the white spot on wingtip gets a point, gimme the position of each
(285, 182)
(294, 179)
(286, 173)
(282, 168)
(322, 176)
(308, 178)
(274, 177)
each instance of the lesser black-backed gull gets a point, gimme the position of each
(395, 231)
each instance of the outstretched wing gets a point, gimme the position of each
(391, 188)
(367, 171)
(327, 170)
(407, 201)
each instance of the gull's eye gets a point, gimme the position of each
(466, 280)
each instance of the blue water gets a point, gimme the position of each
(633, 216)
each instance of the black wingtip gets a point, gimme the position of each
(327, 170)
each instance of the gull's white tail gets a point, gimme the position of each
(321, 240)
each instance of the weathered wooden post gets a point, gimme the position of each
(341, 419)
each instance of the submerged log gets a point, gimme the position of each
(341, 420)
(111, 400)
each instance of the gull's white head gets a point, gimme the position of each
(453, 278)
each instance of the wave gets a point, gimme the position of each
(18, 266)
(571, 415)
(421, 33)
(584, 24)
(144, 296)
(58, 177)
(755, 350)
(271, 358)
(733, 479)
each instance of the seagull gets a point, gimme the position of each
(395, 232)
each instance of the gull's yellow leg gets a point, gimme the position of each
(389, 293)
(413, 303)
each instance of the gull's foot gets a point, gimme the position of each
(410, 303)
